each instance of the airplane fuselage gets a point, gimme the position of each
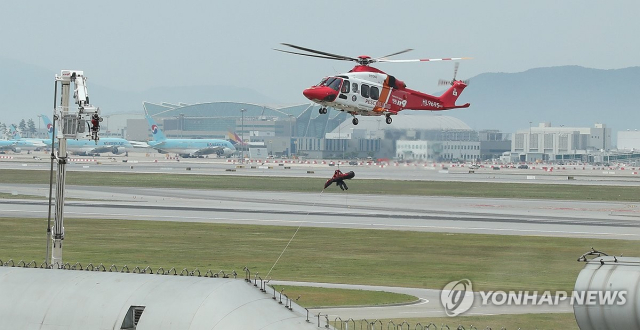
(194, 147)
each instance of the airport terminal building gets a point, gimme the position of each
(560, 143)
(301, 131)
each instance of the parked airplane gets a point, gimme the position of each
(22, 143)
(8, 145)
(115, 146)
(236, 140)
(188, 147)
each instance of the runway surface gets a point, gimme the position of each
(411, 213)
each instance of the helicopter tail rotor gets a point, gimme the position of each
(442, 82)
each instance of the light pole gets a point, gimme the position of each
(529, 146)
(290, 133)
(107, 126)
(39, 117)
(181, 124)
(242, 138)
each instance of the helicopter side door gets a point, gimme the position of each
(351, 88)
(368, 97)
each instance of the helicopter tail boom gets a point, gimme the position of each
(449, 97)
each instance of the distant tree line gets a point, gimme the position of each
(26, 128)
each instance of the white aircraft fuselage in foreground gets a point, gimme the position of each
(188, 147)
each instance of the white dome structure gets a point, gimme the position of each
(49, 299)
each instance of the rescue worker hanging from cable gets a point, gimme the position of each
(338, 178)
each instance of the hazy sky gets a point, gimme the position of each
(139, 44)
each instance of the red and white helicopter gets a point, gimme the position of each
(367, 91)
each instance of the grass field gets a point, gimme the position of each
(392, 187)
(312, 297)
(375, 257)
(19, 196)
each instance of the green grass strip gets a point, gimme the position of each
(313, 297)
(352, 256)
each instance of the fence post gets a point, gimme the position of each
(247, 274)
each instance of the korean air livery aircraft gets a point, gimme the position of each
(115, 146)
(8, 145)
(188, 147)
(22, 143)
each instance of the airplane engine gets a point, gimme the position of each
(17, 150)
(118, 150)
(227, 151)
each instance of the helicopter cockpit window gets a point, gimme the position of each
(345, 87)
(327, 81)
(364, 90)
(355, 87)
(374, 92)
(322, 81)
(333, 83)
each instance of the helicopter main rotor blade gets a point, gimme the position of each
(426, 60)
(394, 54)
(311, 55)
(321, 53)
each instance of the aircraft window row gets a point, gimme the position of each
(370, 91)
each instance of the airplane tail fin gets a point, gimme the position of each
(235, 139)
(48, 124)
(449, 97)
(13, 132)
(155, 130)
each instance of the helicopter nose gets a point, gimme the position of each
(320, 93)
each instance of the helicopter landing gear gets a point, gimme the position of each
(354, 121)
(388, 119)
(322, 111)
